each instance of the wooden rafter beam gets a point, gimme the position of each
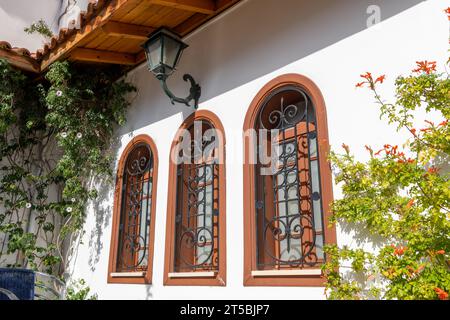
(104, 22)
(198, 19)
(91, 55)
(96, 23)
(193, 22)
(224, 4)
(199, 6)
(127, 30)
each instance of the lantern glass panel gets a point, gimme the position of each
(172, 49)
(153, 51)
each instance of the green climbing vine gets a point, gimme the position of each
(39, 27)
(78, 290)
(54, 139)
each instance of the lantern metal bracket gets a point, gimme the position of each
(194, 91)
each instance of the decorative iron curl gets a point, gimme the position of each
(194, 239)
(284, 116)
(139, 165)
(132, 244)
(293, 229)
(194, 91)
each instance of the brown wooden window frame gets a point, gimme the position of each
(144, 277)
(171, 278)
(308, 278)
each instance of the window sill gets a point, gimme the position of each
(207, 279)
(181, 275)
(144, 277)
(284, 278)
(128, 274)
(287, 273)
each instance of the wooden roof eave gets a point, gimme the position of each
(60, 51)
(103, 23)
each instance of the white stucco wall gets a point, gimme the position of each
(233, 58)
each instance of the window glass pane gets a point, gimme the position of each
(147, 188)
(205, 224)
(319, 247)
(313, 145)
(316, 195)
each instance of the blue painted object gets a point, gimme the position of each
(18, 281)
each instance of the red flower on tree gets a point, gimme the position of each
(369, 80)
(400, 251)
(420, 268)
(425, 66)
(380, 79)
(367, 76)
(447, 11)
(432, 170)
(410, 203)
(441, 293)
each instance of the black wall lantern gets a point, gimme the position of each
(163, 50)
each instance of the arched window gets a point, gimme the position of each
(131, 256)
(195, 236)
(288, 185)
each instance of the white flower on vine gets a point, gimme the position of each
(59, 93)
(69, 209)
(73, 199)
(28, 205)
(64, 135)
(79, 135)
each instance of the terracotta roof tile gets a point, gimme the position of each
(93, 9)
(19, 57)
(6, 46)
(21, 51)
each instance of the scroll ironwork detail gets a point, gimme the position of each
(135, 210)
(288, 201)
